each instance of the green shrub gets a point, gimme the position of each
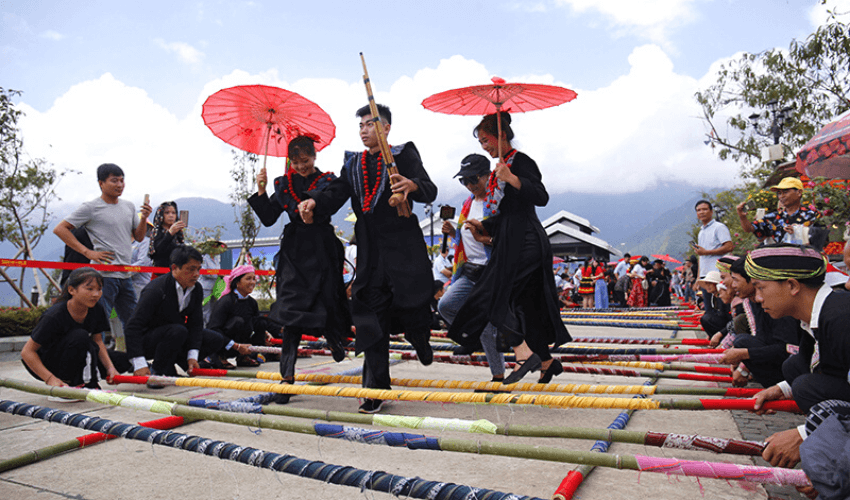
(18, 321)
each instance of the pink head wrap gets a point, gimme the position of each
(235, 273)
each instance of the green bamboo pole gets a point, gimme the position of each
(616, 435)
(479, 447)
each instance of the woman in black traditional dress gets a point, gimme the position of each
(516, 292)
(310, 292)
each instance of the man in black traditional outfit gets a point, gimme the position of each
(393, 287)
(789, 282)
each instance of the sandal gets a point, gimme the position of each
(225, 364)
(555, 368)
(530, 364)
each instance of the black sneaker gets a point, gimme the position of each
(371, 406)
(466, 350)
(422, 347)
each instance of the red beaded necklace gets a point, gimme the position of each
(290, 190)
(368, 196)
(493, 182)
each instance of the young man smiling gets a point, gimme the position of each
(112, 226)
(393, 288)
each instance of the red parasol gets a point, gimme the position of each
(827, 154)
(262, 119)
(666, 258)
(557, 260)
(497, 97)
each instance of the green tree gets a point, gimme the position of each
(812, 75)
(27, 187)
(244, 174)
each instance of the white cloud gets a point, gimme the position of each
(184, 51)
(641, 130)
(650, 19)
(52, 35)
(818, 14)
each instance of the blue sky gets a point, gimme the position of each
(124, 82)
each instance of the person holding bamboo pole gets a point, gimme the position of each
(393, 287)
(516, 291)
(66, 346)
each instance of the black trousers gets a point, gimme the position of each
(766, 372)
(168, 345)
(289, 349)
(73, 359)
(241, 331)
(809, 388)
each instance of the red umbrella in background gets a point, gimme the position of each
(666, 258)
(497, 97)
(262, 119)
(557, 260)
(827, 154)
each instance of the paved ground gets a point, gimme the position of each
(129, 469)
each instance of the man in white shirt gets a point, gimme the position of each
(168, 325)
(622, 267)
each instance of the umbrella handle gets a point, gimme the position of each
(499, 129)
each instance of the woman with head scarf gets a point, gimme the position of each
(167, 235)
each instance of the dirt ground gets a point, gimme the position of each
(130, 469)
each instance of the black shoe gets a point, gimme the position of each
(556, 368)
(423, 349)
(532, 364)
(337, 350)
(371, 406)
(92, 385)
(282, 399)
(466, 350)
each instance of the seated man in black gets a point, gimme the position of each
(769, 343)
(789, 282)
(168, 324)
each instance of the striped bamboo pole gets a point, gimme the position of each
(585, 350)
(320, 378)
(465, 397)
(81, 442)
(328, 473)
(370, 436)
(482, 426)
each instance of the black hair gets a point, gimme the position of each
(183, 254)
(235, 282)
(489, 126)
(700, 202)
(383, 111)
(107, 169)
(438, 285)
(301, 146)
(643, 258)
(353, 240)
(737, 267)
(627, 256)
(78, 277)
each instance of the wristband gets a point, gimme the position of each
(785, 387)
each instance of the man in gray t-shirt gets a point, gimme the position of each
(112, 226)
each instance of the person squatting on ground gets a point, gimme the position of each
(168, 325)
(516, 292)
(393, 288)
(236, 315)
(472, 252)
(112, 225)
(311, 297)
(66, 346)
(789, 282)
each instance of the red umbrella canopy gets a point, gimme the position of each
(262, 119)
(666, 258)
(498, 96)
(827, 154)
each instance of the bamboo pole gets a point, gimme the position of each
(632, 462)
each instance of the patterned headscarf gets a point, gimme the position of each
(783, 262)
(157, 225)
(235, 273)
